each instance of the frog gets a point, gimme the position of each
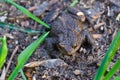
(69, 34)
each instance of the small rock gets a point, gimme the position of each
(90, 58)
(96, 36)
(56, 73)
(74, 79)
(3, 18)
(35, 37)
(10, 46)
(82, 50)
(16, 42)
(25, 23)
(51, 63)
(77, 72)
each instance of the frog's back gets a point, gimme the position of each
(64, 24)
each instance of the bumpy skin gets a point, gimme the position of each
(69, 33)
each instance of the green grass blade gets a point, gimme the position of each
(11, 26)
(113, 70)
(3, 51)
(22, 73)
(117, 78)
(73, 3)
(25, 54)
(29, 14)
(108, 56)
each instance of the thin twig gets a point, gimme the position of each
(13, 53)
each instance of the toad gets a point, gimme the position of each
(69, 32)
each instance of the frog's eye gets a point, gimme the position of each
(65, 47)
(61, 45)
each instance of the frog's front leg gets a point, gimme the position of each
(67, 46)
(64, 45)
(86, 37)
(50, 43)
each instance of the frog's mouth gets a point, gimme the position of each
(67, 49)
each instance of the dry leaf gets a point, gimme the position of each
(51, 63)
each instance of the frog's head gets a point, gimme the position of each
(67, 48)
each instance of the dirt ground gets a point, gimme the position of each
(82, 64)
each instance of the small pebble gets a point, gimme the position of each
(77, 72)
(35, 37)
(25, 23)
(16, 42)
(3, 18)
(82, 50)
(17, 21)
(10, 46)
(102, 28)
(90, 58)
